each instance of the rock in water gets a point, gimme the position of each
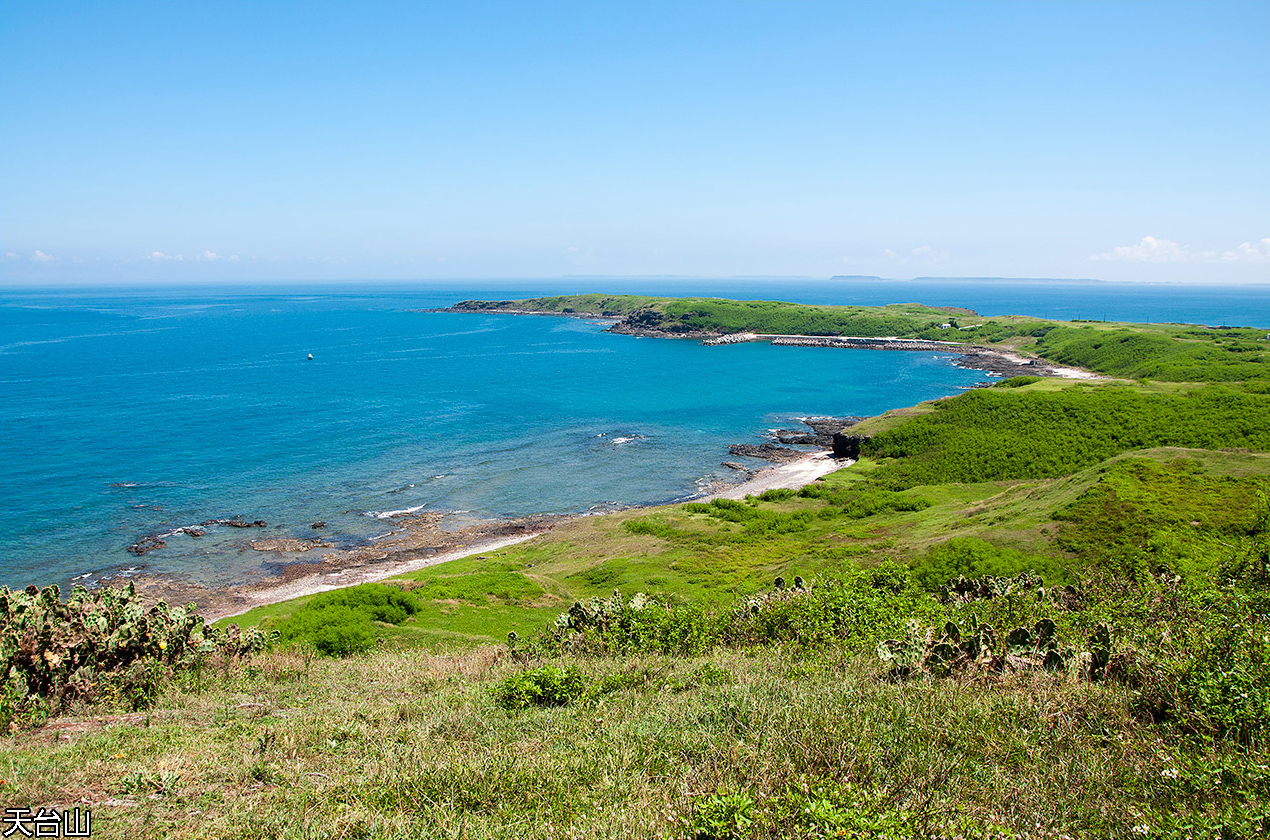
(766, 451)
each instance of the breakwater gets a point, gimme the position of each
(867, 343)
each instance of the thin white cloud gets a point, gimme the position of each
(41, 257)
(1150, 250)
(1249, 252)
(922, 254)
(205, 256)
(1154, 250)
(9, 255)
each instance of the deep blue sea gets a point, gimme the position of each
(133, 411)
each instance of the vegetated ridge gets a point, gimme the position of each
(1169, 352)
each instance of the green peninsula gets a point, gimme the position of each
(1035, 610)
(1169, 352)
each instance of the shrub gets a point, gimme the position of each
(342, 622)
(722, 815)
(332, 630)
(972, 557)
(995, 434)
(545, 686)
(856, 610)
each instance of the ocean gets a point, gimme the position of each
(128, 412)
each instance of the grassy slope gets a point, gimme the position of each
(407, 744)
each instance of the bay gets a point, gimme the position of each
(134, 411)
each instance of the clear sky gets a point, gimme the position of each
(236, 141)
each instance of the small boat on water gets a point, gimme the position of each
(310, 357)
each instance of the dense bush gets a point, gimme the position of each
(972, 557)
(342, 622)
(853, 611)
(1143, 516)
(1016, 382)
(1194, 356)
(546, 686)
(993, 434)
(1223, 687)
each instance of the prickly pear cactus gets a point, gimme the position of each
(52, 651)
(1100, 651)
(975, 648)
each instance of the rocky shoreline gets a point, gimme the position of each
(418, 540)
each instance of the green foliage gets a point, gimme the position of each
(853, 612)
(97, 645)
(757, 520)
(479, 588)
(342, 622)
(546, 686)
(376, 601)
(333, 630)
(1223, 687)
(971, 557)
(994, 434)
(861, 502)
(979, 649)
(716, 315)
(831, 808)
(726, 814)
(1016, 382)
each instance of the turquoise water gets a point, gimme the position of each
(127, 413)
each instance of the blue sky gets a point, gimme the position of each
(236, 141)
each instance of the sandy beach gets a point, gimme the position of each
(790, 476)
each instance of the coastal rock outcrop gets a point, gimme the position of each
(288, 544)
(822, 431)
(997, 363)
(147, 544)
(236, 523)
(766, 451)
(651, 323)
(847, 445)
